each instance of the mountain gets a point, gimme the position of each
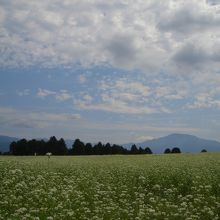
(5, 142)
(187, 143)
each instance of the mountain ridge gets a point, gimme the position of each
(186, 142)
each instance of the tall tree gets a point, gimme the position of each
(62, 147)
(13, 148)
(141, 150)
(78, 148)
(148, 150)
(107, 149)
(134, 149)
(52, 145)
(88, 149)
(98, 149)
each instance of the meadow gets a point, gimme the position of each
(175, 186)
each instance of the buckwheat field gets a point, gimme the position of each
(185, 186)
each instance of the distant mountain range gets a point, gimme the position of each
(5, 142)
(187, 143)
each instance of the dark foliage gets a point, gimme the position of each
(148, 150)
(176, 150)
(204, 151)
(88, 149)
(134, 149)
(167, 151)
(58, 147)
(78, 148)
(39, 147)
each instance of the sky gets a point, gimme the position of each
(115, 71)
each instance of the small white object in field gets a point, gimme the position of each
(48, 154)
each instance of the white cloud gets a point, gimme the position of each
(52, 117)
(116, 107)
(33, 119)
(205, 101)
(188, 17)
(82, 79)
(177, 38)
(171, 92)
(24, 92)
(153, 36)
(132, 87)
(42, 93)
(62, 95)
(144, 138)
(122, 96)
(87, 98)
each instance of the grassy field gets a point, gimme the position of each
(185, 186)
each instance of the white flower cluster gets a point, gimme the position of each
(183, 187)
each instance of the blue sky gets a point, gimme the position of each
(118, 71)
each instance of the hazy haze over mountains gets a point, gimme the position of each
(5, 142)
(187, 143)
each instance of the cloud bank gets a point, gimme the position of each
(149, 35)
(118, 58)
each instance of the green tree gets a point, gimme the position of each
(167, 151)
(134, 149)
(88, 149)
(78, 148)
(148, 150)
(176, 150)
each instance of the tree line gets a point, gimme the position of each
(58, 147)
(39, 147)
